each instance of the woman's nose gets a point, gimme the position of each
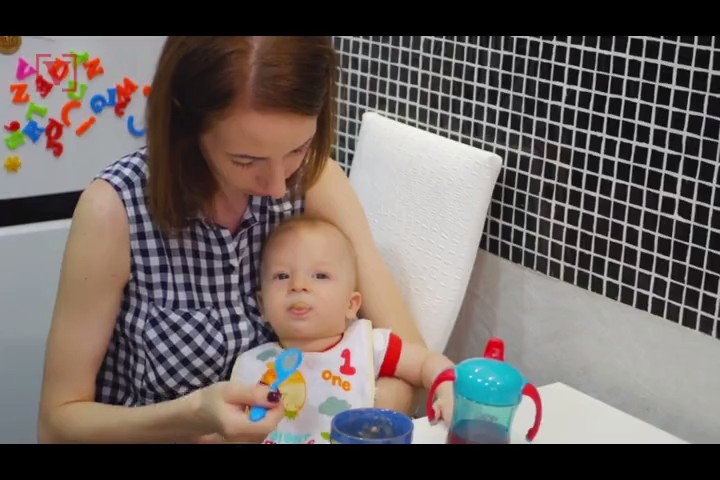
(276, 185)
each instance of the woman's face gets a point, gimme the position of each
(254, 152)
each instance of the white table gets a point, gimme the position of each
(569, 416)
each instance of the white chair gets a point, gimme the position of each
(426, 198)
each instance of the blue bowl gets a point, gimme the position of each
(371, 426)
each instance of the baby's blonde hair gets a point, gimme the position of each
(308, 222)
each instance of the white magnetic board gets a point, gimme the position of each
(124, 61)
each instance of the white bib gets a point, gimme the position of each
(326, 383)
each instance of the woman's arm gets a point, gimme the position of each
(96, 267)
(334, 199)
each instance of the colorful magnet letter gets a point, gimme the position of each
(80, 58)
(13, 126)
(98, 103)
(93, 68)
(24, 69)
(13, 163)
(58, 70)
(112, 97)
(120, 107)
(15, 140)
(65, 113)
(33, 130)
(20, 92)
(127, 89)
(75, 91)
(53, 132)
(125, 92)
(43, 86)
(34, 109)
(82, 129)
(131, 127)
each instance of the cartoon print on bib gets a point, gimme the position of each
(327, 383)
(293, 390)
(331, 407)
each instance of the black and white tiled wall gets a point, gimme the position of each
(610, 147)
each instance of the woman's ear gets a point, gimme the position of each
(353, 305)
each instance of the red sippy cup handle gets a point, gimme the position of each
(447, 375)
(533, 393)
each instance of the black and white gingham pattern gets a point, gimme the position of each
(190, 307)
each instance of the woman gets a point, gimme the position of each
(157, 295)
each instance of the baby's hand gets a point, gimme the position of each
(443, 404)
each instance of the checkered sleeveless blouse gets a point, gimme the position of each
(190, 307)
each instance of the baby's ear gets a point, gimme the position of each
(353, 305)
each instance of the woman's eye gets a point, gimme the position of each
(300, 150)
(243, 164)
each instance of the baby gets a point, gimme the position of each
(308, 279)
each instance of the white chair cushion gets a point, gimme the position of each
(426, 198)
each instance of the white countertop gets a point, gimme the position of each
(569, 416)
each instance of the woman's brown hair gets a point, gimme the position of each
(198, 79)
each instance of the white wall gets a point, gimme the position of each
(554, 332)
(30, 259)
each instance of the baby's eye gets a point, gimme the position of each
(322, 276)
(281, 276)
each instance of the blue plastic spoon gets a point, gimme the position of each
(286, 364)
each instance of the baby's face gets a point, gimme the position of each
(308, 284)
